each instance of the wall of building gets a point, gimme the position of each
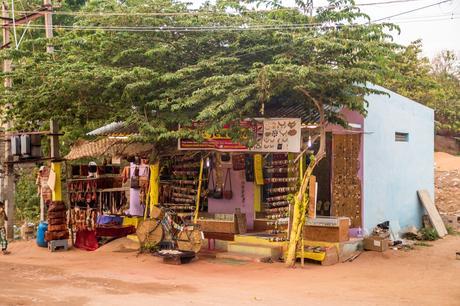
(243, 198)
(394, 171)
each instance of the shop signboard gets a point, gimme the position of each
(269, 134)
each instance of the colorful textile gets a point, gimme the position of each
(136, 205)
(114, 231)
(3, 241)
(105, 219)
(154, 185)
(258, 169)
(86, 240)
(2, 218)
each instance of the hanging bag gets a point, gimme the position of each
(134, 180)
(238, 162)
(228, 194)
(214, 190)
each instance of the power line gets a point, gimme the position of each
(387, 2)
(411, 11)
(244, 27)
(203, 13)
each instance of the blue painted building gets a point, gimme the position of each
(398, 145)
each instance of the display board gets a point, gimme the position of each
(275, 135)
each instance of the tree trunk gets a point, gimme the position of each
(302, 200)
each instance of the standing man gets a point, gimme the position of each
(3, 218)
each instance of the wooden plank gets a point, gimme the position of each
(433, 213)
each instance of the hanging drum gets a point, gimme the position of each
(190, 239)
(150, 233)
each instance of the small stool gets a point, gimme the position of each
(58, 245)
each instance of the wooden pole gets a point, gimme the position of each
(8, 183)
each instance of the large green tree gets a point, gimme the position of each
(161, 65)
(171, 76)
(435, 84)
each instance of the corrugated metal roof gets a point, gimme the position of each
(119, 128)
(108, 147)
(296, 110)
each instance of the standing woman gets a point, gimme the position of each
(3, 218)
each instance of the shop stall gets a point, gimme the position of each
(106, 199)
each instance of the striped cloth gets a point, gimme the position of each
(3, 241)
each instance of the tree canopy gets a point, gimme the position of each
(436, 84)
(161, 64)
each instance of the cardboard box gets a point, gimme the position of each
(375, 243)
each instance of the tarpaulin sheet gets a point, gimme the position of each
(86, 240)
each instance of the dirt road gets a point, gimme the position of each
(114, 276)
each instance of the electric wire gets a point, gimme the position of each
(244, 27)
(413, 10)
(200, 13)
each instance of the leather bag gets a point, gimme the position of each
(228, 194)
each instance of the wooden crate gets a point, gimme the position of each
(218, 226)
(223, 223)
(328, 233)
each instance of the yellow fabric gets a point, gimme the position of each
(258, 169)
(257, 198)
(154, 185)
(132, 221)
(57, 192)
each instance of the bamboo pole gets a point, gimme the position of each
(198, 193)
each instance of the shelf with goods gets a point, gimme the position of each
(180, 190)
(280, 180)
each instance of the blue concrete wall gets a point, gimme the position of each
(394, 171)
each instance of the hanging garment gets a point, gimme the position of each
(136, 205)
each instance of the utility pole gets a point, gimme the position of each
(54, 127)
(8, 181)
(8, 168)
(309, 8)
(48, 25)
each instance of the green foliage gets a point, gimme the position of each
(163, 79)
(452, 231)
(429, 234)
(436, 84)
(27, 202)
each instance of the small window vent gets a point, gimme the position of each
(404, 137)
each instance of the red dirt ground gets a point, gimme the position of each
(114, 276)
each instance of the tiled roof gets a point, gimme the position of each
(108, 147)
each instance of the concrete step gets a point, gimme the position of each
(272, 251)
(240, 257)
(261, 238)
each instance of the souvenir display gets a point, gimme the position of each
(281, 135)
(346, 196)
(238, 162)
(281, 178)
(180, 192)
